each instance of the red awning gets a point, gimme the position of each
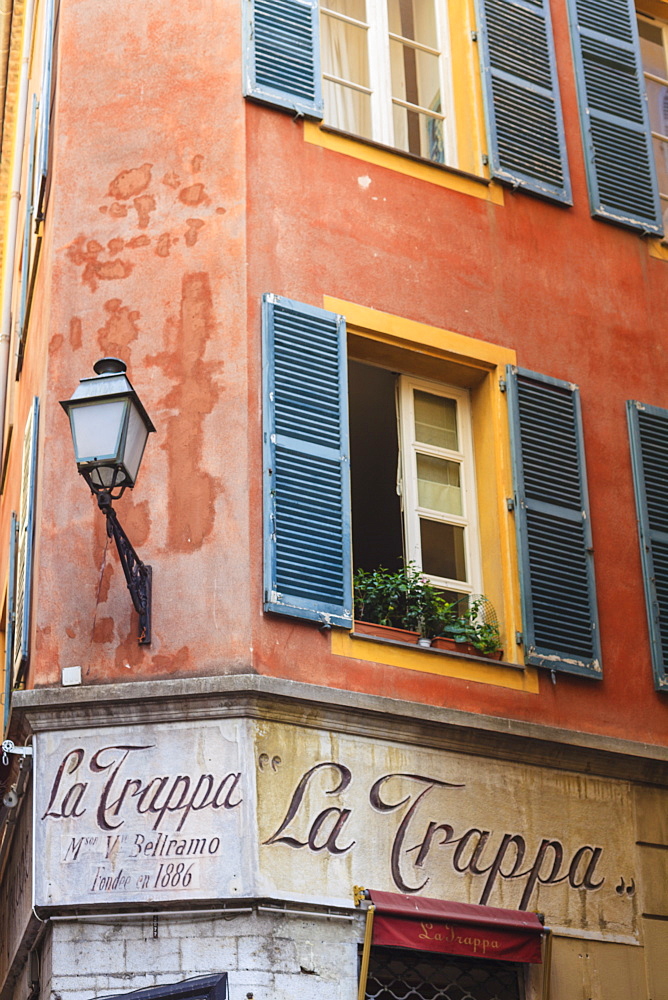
(455, 928)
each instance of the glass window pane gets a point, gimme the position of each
(415, 19)
(436, 420)
(97, 429)
(657, 103)
(418, 134)
(347, 109)
(344, 51)
(438, 485)
(351, 8)
(661, 159)
(443, 549)
(651, 48)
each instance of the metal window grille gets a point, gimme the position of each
(398, 974)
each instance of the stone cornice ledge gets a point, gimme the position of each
(294, 703)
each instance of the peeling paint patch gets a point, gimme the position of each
(138, 241)
(70, 632)
(364, 182)
(105, 582)
(171, 180)
(104, 630)
(118, 211)
(86, 255)
(196, 163)
(115, 245)
(164, 243)
(220, 210)
(192, 232)
(56, 343)
(144, 205)
(130, 183)
(193, 395)
(120, 329)
(194, 195)
(76, 333)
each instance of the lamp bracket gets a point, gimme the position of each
(138, 576)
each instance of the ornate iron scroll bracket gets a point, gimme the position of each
(137, 574)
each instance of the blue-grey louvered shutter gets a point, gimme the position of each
(524, 122)
(25, 542)
(648, 427)
(9, 622)
(307, 556)
(560, 619)
(282, 54)
(44, 109)
(613, 114)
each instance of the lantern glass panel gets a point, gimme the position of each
(135, 442)
(97, 429)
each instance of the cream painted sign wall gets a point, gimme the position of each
(246, 808)
(143, 813)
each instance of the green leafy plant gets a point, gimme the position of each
(404, 599)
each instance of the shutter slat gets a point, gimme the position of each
(553, 527)
(307, 483)
(648, 432)
(524, 122)
(282, 51)
(613, 114)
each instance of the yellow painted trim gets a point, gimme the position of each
(443, 664)
(452, 346)
(491, 437)
(440, 176)
(658, 249)
(467, 89)
(655, 8)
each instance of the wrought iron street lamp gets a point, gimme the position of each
(110, 428)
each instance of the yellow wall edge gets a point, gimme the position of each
(525, 679)
(440, 176)
(658, 249)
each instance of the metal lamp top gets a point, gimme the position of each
(109, 382)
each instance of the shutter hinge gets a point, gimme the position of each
(503, 385)
(510, 503)
(485, 160)
(519, 638)
(474, 36)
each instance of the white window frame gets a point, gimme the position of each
(380, 79)
(409, 449)
(661, 136)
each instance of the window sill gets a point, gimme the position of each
(443, 662)
(403, 163)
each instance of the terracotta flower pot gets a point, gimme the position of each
(386, 632)
(444, 642)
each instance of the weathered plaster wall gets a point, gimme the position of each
(147, 243)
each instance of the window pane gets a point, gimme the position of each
(438, 485)
(661, 158)
(344, 55)
(351, 8)
(436, 420)
(413, 19)
(418, 134)
(651, 49)
(657, 102)
(442, 549)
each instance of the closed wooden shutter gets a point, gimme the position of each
(9, 622)
(560, 621)
(523, 108)
(307, 478)
(613, 114)
(282, 52)
(648, 428)
(25, 542)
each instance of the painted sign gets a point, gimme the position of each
(249, 808)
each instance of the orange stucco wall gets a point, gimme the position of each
(174, 206)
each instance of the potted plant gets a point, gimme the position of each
(402, 605)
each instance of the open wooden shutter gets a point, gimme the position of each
(560, 619)
(25, 542)
(308, 570)
(282, 51)
(523, 108)
(613, 114)
(648, 428)
(45, 109)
